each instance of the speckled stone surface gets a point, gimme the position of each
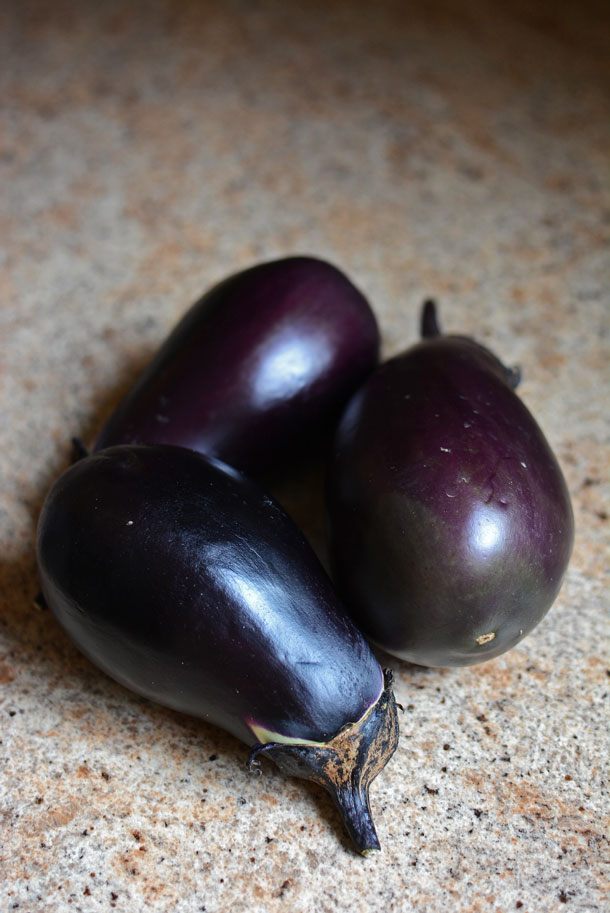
(455, 150)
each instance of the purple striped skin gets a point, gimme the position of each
(186, 583)
(257, 370)
(450, 519)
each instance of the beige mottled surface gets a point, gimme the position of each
(147, 150)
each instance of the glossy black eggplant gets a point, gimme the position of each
(259, 367)
(185, 582)
(451, 523)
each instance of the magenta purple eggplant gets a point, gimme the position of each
(450, 519)
(258, 368)
(185, 582)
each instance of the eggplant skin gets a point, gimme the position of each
(185, 582)
(260, 367)
(450, 520)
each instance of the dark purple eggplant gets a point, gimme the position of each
(259, 367)
(186, 583)
(450, 520)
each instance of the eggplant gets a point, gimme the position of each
(186, 583)
(449, 518)
(257, 370)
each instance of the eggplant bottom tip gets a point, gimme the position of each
(346, 765)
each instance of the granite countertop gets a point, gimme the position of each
(453, 150)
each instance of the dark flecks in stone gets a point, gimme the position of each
(284, 887)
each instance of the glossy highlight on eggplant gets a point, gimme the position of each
(450, 519)
(258, 368)
(186, 583)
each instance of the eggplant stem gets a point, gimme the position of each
(79, 450)
(346, 765)
(430, 327)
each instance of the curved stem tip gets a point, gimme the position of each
(347, 764)
(79, 450)
(429, 323)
